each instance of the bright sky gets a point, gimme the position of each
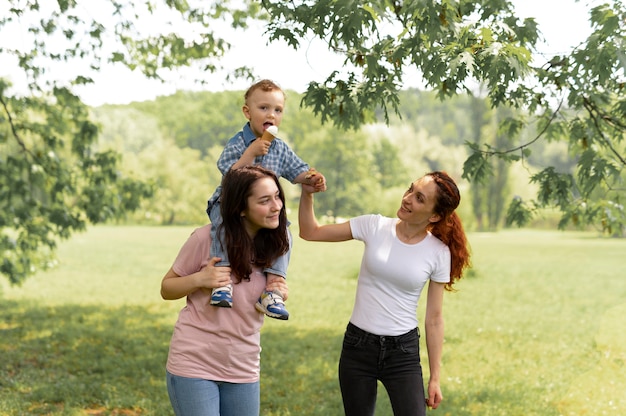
(564, 24)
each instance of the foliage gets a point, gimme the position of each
(53, 179)
(76, 343)
(366, 170)
(198, 120)
(347, 161)
(453, 45)
(488, 196)
(456, 45)
(52, 182)
(183, 180)
(359, 166)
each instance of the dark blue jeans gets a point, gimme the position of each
(395, 361)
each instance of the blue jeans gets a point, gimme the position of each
(218, 247)
(394, 360)
(198, 397)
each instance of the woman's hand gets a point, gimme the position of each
(434, 395)
(278, 284)
(174, 286)
(315, 181)
(308, 189)
(213, 276)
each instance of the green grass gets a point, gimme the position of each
(536, 328)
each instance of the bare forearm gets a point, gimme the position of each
(434, 345)
(311, 230)
(306, 215)
(175, 287)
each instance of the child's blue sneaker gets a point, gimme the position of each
(272, 304)
(222, 296)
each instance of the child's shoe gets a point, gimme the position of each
(222, 296)
(272, 304)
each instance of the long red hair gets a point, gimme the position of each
(450, 228)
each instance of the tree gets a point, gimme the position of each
(54, 182)
(183, 180)
(199, 119)
(488, 196)
(578, 98)
(51, 182)
(347, 162)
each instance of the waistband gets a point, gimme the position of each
(383, 339)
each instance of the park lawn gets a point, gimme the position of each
(535, 328)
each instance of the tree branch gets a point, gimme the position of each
(594, 114)
(522, 146)
(13, 128)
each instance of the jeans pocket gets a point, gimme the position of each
(352, 340)
(410, 347)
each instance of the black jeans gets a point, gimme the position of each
(395, 361)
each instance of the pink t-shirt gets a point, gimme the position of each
(213, 343)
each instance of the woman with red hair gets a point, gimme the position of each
(426, 243)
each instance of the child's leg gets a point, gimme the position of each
(272, 303)
(220, 296)
(218, 246)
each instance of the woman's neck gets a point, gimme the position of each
(410, 234)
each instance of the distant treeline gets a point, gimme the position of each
(174, 141)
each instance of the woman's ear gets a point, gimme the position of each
(435, 218)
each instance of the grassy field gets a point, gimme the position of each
(536, 328)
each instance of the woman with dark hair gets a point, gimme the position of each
(426, 243)
(213, 365)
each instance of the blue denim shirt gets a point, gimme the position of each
(280, 159)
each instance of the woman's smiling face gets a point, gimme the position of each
(418, 202)
(263, 206)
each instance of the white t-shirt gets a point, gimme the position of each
(392, 275)
(213, 343)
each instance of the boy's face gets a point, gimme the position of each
(264, 109)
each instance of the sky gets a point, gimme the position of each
(564, 24)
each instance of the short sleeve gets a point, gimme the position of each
(363, 225)
(195, 253)
(441, 272)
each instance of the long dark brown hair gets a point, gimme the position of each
(268, 244)
(450, 228)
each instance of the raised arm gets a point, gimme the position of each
(309, 227)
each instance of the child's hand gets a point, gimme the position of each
(315, 180)
(259, 147)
